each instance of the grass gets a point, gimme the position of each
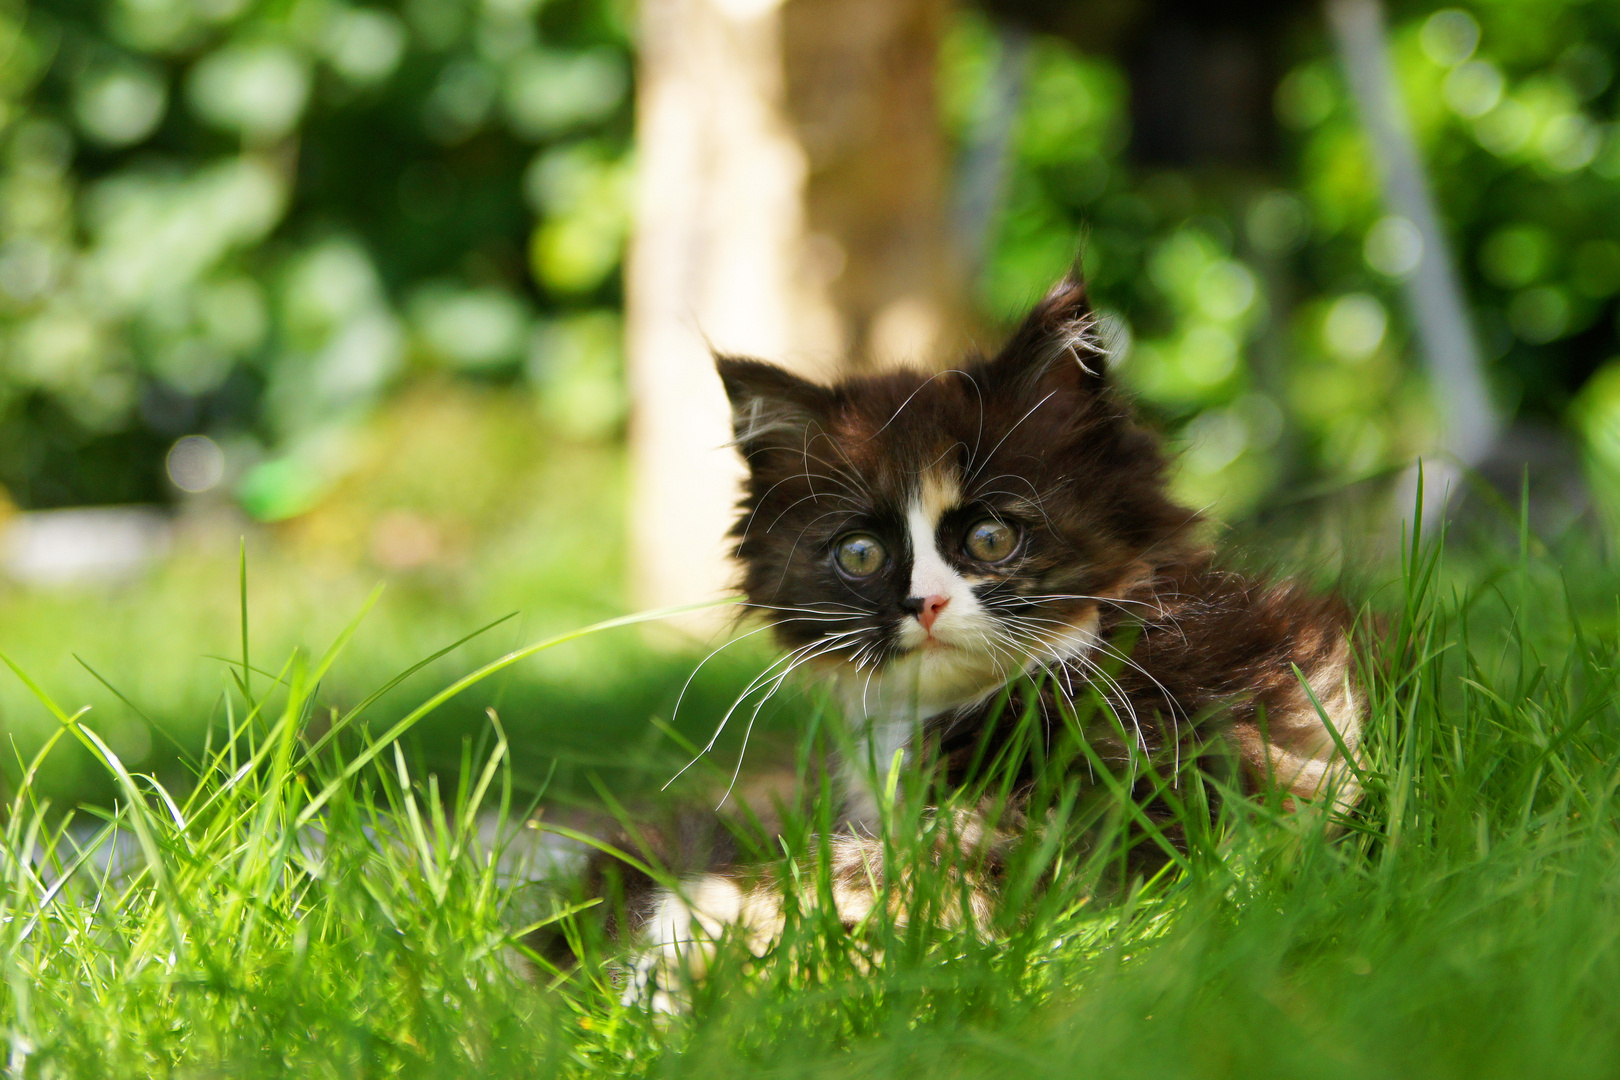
(522, 525)
(348, 912)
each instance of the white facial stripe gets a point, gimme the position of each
(930, 574)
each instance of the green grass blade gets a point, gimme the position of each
(365, 757)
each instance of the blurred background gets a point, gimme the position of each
(423, 291)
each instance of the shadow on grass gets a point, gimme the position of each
(564, 731)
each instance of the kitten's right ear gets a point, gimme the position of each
(1056, 347)
(771, 406)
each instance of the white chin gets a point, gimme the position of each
(953, 676)
(929, 681)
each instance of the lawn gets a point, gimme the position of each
(524, 527)
(306, 893)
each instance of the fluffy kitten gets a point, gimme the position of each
(923, 540)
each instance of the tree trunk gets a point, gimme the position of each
(791, 206)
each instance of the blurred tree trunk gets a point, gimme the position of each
(792, 206)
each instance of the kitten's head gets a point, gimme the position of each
(934, 535)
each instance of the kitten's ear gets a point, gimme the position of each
(769, 405)
(1057, 347)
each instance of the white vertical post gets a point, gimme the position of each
(981, 177)
(790, 206)
(1433, 294)
(713, 266)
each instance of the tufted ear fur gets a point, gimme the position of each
(1056, 348)
(771, 407)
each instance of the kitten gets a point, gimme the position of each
(924, 540)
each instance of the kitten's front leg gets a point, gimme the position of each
(685, 926)
(684, 930)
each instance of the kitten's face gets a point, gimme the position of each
(929, 537)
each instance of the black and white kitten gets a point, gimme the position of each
(924, 540)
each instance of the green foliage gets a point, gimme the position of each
(256, 220)
(472, 513)
(1259, 309)
(253, 220)
(321, 906)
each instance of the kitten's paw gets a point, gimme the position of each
(680, 940)
(654, 986)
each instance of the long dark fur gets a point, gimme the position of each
(1037, 441)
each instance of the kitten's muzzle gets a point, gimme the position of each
(925, 608)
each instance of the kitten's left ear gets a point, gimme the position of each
(771, 406)
(1057, 347)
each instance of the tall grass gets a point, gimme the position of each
(322, 907)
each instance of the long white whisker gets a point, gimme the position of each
(748, 731)
(676, 711)
(834, 605)
(1123, 702)
(754, 684)
(1007, 435)
(914, 393)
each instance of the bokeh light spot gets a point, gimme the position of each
(1516, 255)
(550, 92)
(1209, 355)
(1304, 97)
(1597, 412)
(121, 105)
(28, 268)
(196, 464)
(1226, 290)
(1473, 89)
(1354, 327)
(1586, 68)
(1278, 222)
(1506, 129)
(470, 328)
(1215, 438)
(1569, 142)
(1540, 315)
(1449, 36)
(364, 45)
(1393, 247)
(460, 102)
(258, 90)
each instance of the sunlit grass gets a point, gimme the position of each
(471, 513)
(336, 910)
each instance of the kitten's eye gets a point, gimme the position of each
(860, 555)
(991, 541)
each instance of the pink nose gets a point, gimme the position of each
(930, 609)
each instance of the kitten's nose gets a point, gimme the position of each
(926, 608)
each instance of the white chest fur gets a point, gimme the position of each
(887, 708)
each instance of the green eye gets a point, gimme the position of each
(991, 541)
(860, 555)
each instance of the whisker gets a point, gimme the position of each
(813, 610)
(1007, 435)
(1032, 636)
(813, 496)
(754, 684)
(913, 394)
(676, 711)
(760, 502)
(753, 716)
